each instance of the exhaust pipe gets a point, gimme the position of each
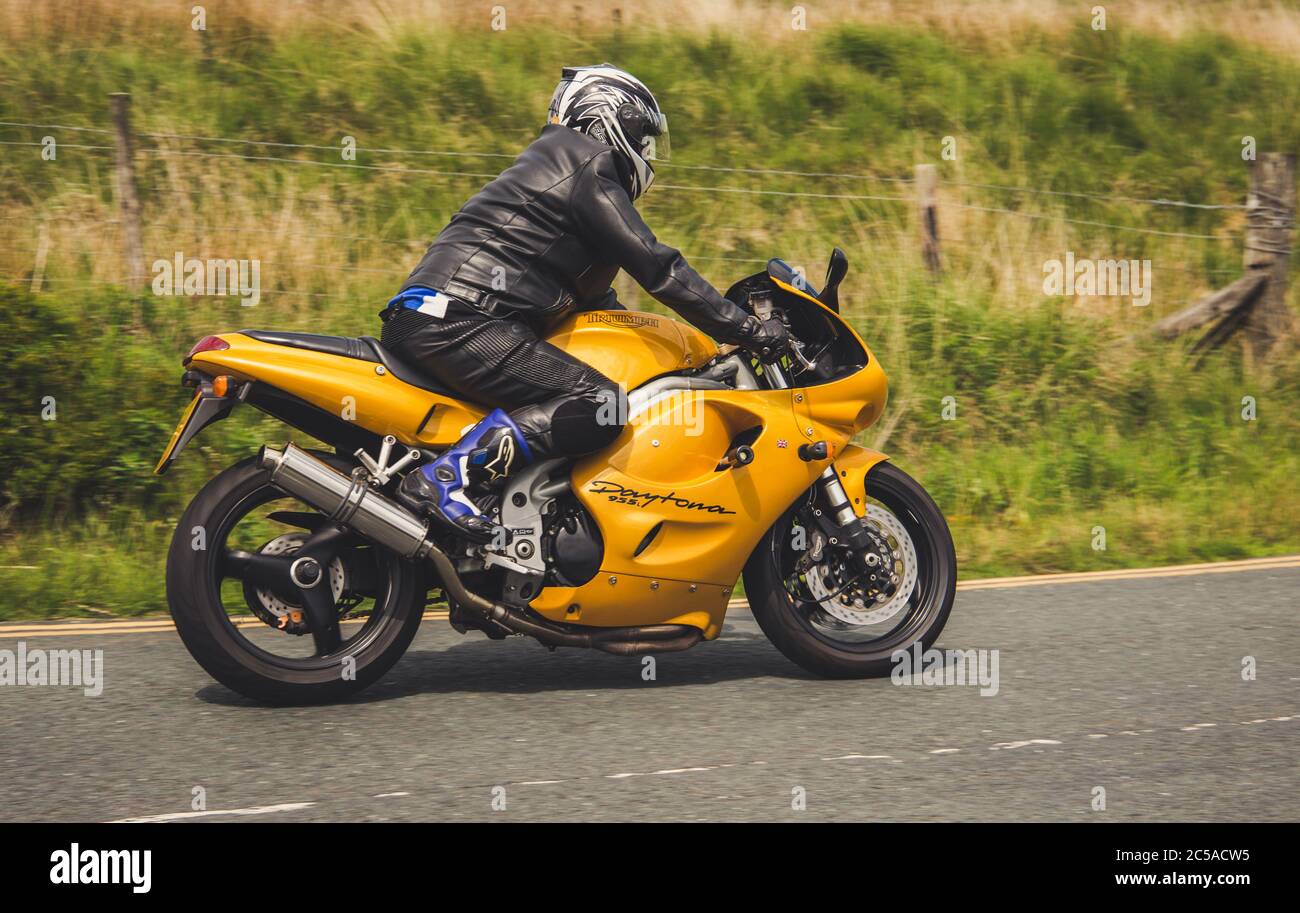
(347, 500)
(350, 501)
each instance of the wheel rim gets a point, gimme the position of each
(907, 613)
(275, 647)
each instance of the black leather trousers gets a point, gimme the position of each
(563, 406)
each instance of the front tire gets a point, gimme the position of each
(793, 622)
(194, 594)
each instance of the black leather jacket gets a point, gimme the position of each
(548, 236)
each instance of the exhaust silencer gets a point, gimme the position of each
(346, 500)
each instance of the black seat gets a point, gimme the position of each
(364, 348)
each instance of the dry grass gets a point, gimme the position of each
(1271, 24)
(290, 230)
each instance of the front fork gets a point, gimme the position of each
(838, 521)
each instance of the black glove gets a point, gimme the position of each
(768, 339)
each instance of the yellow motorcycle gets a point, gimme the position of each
(295, 575)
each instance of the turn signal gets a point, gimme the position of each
(221, 384)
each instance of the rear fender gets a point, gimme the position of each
(206, 407)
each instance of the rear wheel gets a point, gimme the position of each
(843, 614)
(255, 635)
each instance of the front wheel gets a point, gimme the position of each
(842, 614)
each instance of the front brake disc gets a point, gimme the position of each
(900, 560)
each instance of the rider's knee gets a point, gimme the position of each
(586, 423)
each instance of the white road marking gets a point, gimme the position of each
(1003, 746)
(659, 773)
(178, 816)
(1000, 746)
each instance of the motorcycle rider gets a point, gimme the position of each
(543, 239)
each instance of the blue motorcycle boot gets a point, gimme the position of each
(489, 451)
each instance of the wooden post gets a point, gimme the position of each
(127, 201)
(1270, 220)
(42, 252)
(1238, 296)
(927, 211)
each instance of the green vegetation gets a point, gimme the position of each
(1069, 415)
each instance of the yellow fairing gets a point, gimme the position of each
(840, 407)
(659, 484)
(347, 387)
(662, 473)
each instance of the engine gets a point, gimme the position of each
(572, 545)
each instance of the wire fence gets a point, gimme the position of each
(721, 169)
(254, 155)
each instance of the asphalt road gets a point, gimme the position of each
(1132, 685)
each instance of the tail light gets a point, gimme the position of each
(206, 344)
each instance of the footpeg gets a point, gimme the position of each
(381, 473)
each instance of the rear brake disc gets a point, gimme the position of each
(279, 613)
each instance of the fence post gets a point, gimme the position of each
(927, 210)
(42, 253)
(1270, 220)
(127, 201)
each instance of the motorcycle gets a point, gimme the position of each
(295, 575)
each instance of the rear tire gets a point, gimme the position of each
(194, 595)
(789, 629)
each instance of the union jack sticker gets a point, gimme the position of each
(782, 443)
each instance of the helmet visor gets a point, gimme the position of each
(655, 146)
